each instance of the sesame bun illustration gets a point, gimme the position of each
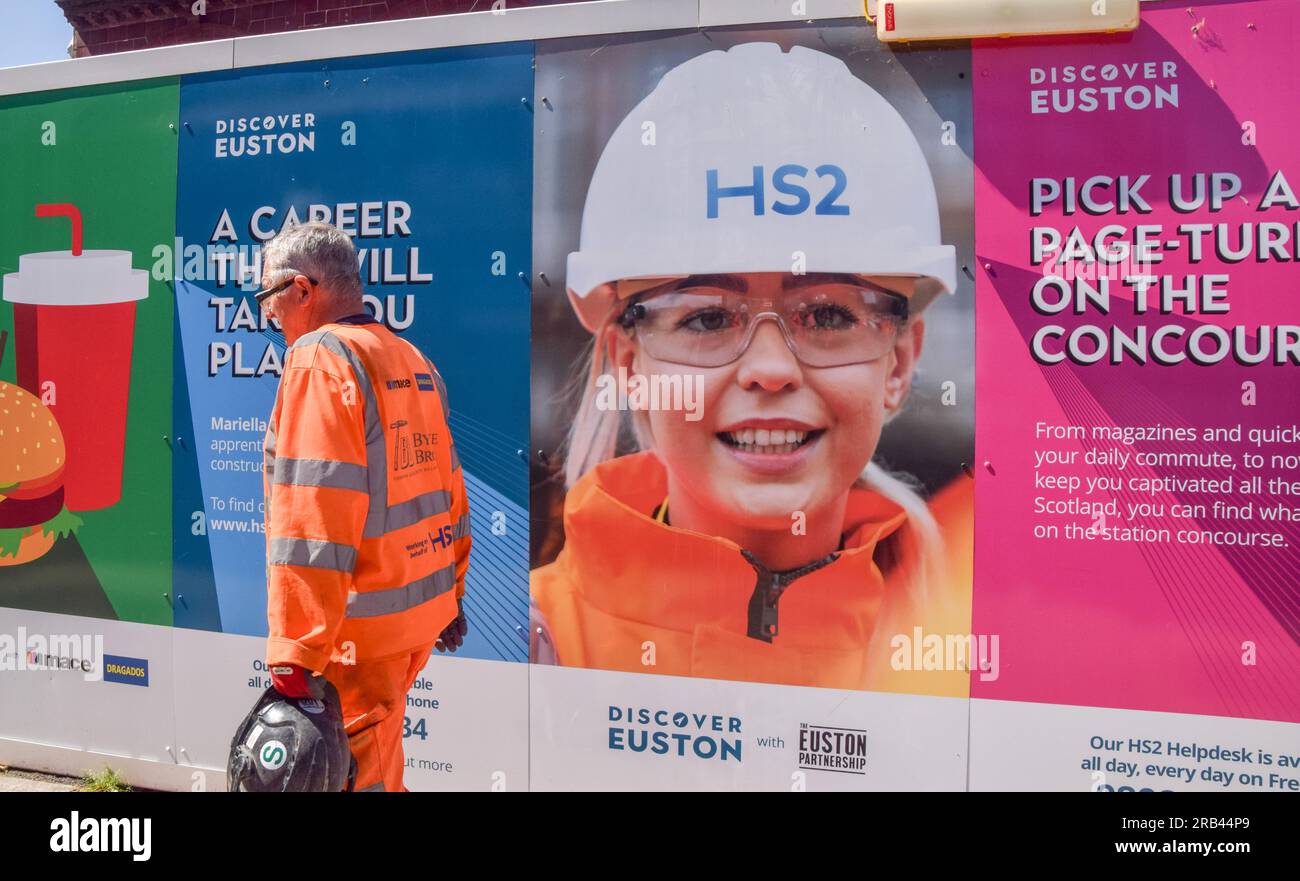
(33, 456)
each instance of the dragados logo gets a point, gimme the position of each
(129, 671)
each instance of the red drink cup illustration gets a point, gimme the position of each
(74, 326)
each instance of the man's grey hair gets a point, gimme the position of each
(317, 250)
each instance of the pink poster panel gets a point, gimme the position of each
(1138, 442)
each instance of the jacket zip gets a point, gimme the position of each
(769, 587)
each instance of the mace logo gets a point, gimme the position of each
(129, 671)
(823, 748)
(77, 834)
(675, 733)
(83, 653)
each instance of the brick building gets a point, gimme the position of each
(104, 26)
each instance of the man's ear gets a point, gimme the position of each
(906, 351)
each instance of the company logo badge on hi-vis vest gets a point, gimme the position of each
(411, 448)
(787, 180)
(424, 382)
(272, 755)
(443, 538)
(402, 455)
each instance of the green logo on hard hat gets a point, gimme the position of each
(272, 755)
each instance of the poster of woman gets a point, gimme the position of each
(760, 251)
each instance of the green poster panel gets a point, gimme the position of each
(87, 197)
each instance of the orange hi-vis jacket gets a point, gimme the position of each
(367, 522)
(633, 594)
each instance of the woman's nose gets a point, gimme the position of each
(768, 363)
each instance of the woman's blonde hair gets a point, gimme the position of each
(915, 551)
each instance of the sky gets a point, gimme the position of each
(33, 30)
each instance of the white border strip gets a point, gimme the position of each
(461, 29)
(138, 65)
(719, 13)
(143, 773)
(468, 29)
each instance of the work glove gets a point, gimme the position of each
(291, 680)
(453, 636)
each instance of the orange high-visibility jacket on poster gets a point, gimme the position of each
(367, 521)
(628, 589)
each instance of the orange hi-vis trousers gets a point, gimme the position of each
(373, 694)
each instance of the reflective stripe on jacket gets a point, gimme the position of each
(633, 594)
(367, 521)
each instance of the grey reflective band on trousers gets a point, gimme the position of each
(374, 603)
(319, 472)
(312, 553)
(374, 787)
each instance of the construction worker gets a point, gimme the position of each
(777, 244)
(367, 522)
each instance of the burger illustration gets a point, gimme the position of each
(32, 459)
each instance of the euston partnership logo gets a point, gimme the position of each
(823, 748)
(675, 733)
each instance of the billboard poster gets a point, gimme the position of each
(85, 413)
(90, 187)
(1136, 538)
(404, 153)
(833, 415)
(752, 412)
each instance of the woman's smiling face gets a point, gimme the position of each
(774, 435)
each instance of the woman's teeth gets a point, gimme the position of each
(765, 441)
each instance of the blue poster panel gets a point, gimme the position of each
(425, 159)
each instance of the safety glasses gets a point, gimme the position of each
(826, 325)
(274, 289)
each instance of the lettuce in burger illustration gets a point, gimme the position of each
(33, 456)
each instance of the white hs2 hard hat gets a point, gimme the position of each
(758, 160)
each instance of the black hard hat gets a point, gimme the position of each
(292, 744)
